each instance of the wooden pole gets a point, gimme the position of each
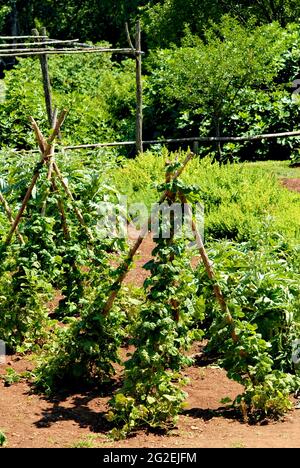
(66, 51)
(24, 205)
(62, 211)
(6, 38)
(209, 269)
(196, 147)
(139, 90)
(50, 168)
(21, 46)
(10, 217)
(46, 80)
(267, 136)
(14, 18)
(128, 37)
(46, 148)
(126, 264)
(70, 195)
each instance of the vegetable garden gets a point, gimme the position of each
(245, 306)
(235, 292)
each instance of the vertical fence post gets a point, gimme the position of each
(139, 90)
(196, 147)
(46, 80)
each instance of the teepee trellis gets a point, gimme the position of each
(47, 149)
(124, 268)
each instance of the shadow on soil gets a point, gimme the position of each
(208, 414)
(87, 407)
(74, 406)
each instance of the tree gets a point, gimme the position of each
(205, 83)
(87, 19)
(165, 21)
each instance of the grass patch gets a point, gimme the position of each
(238, 198)
(281, 169)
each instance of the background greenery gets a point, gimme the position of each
(211, 68)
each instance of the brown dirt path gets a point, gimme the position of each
(29, 420)
(292, 184)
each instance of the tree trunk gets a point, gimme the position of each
(14, 20)
(218, 134)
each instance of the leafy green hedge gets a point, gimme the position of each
(99, 94)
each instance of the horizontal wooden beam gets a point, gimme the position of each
(6, 38)
(82, 50)
(266, 136)
(100, 145)
(22, 45)
(190, 140)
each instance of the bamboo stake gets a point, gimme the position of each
(139, 90)
(70, 195)
(62, 212)
(39, 136)
(10, 217)
(23, 207)
(209, 269)
(46, 81)
(126, 264)
(45, 148)
(48, 150)
(57, 127)
(50, 168)
(171, 197)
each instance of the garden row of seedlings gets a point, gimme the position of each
(87, 349)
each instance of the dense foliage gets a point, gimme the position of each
(238, 198)
(256, 261)
(235, 80)
(211, 68)
(51, 258)
(99, 94)
(164, 20)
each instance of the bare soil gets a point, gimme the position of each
(292, 184)
(78, 419)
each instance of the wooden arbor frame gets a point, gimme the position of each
(41, 45)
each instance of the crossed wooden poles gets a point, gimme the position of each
(47, 149)
(124, 268)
